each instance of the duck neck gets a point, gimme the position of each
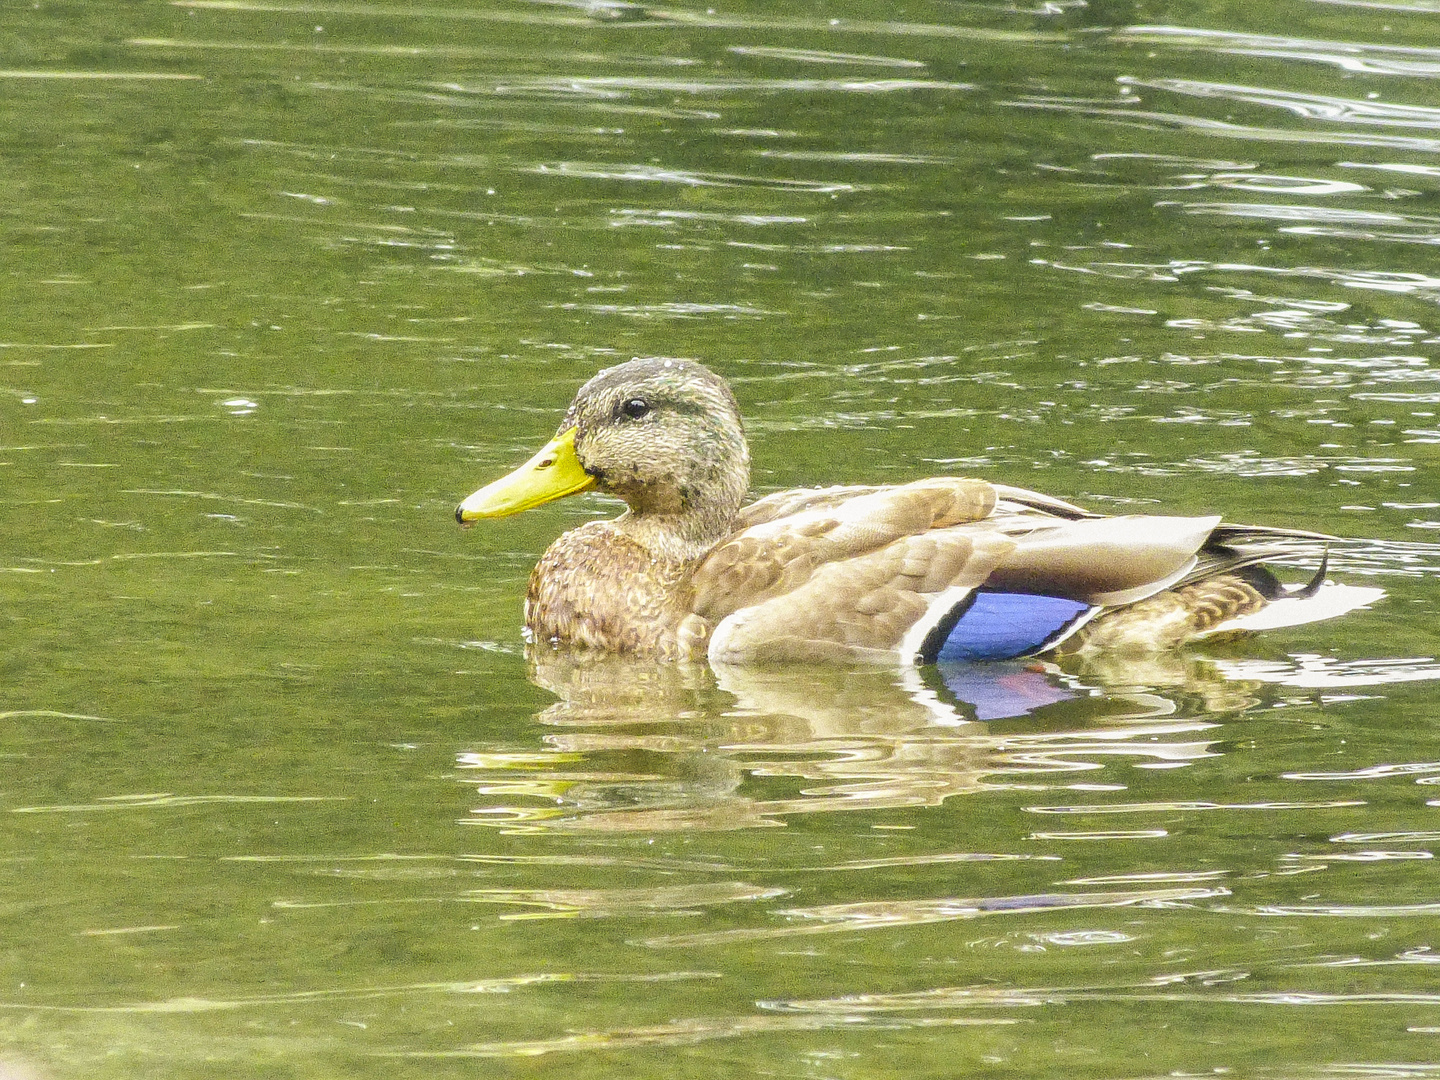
(680, 526)
(669, 538)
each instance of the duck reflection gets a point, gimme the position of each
(636, 746)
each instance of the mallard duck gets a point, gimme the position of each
(940, 569)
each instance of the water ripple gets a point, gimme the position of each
(657, 174)
(391, 11)
(1196, 986)
(1425, 286)
(1280, 184)
(1157, 990)
(1248, 463)
(1298, 212)
(614, 762)
(190, 1005)
(609, 903)
(1355, 56)
(676, 1033)
(1390, 837)
(673, 310)
(1152, 877)
(1103, 835)
(666, 217)
(1421, 955)
(844, 918)
(1168, 807)
(103, 76)
(51, 714)
(1373, 772)
(214, 497)
(1123, 114)
(1339, 911)
(1363, 857)
(623, 16)
(1307, 106)
(856, 157)
(620, 86)
(1315, 672)
(144, 802)
(819, 56)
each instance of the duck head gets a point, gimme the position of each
(664, 435)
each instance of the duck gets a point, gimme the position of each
(940, 569)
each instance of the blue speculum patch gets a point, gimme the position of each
(1002, 626)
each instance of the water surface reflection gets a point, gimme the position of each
(635, 746)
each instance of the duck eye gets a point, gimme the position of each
(635, 408)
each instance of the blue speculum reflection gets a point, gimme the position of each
(999, 691)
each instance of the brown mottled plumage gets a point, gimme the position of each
(875, 574)
(1169, 619)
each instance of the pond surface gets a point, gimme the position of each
(282, 795)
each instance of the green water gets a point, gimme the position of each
(282, 796)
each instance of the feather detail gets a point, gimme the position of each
(1003, 626)
(631, 601)
(1169, 619)
(860, 609)
(781, 552)
(1103, 561)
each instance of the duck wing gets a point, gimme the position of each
(789, 536)
(843, 573)
(781, 504)
(962, 570)
(938, 569)
(1060, 575)
(876, 607)
(1171, 581)
(1101, 561)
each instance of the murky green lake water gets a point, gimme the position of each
(282, 795)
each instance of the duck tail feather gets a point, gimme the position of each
(1311, 587)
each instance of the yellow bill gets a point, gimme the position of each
(551, 474)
